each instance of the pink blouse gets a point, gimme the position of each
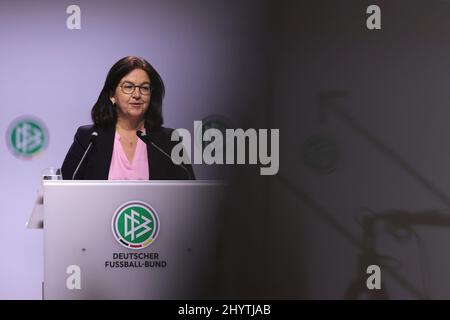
(122, 169)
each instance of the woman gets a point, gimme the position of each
(130, 101)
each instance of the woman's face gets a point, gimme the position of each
(132, 101)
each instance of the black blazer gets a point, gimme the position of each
(98, 160)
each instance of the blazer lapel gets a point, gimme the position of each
(104, 150)
(157, 162)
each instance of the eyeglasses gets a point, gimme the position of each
(129, 87)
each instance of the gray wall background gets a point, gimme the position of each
(363, 118)
(380, 102)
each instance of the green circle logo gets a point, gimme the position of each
(27, 137)
(135, 225)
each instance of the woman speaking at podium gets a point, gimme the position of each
(127, 140)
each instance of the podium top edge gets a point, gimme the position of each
(134, 182)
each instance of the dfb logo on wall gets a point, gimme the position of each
(135, 225)
(27, 137)
(211, 122)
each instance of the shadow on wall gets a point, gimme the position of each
(400, 224)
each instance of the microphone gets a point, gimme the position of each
(147, 140)
(92, 140)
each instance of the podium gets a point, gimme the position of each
(130, 239)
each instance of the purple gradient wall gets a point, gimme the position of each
(208, 54)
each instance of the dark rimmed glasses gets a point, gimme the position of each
(129, 87)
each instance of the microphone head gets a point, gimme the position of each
(94, 136)
(139, 133)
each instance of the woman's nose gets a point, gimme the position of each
(136, 93)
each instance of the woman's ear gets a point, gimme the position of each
(113, 101)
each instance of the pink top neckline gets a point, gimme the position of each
(122, 169)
